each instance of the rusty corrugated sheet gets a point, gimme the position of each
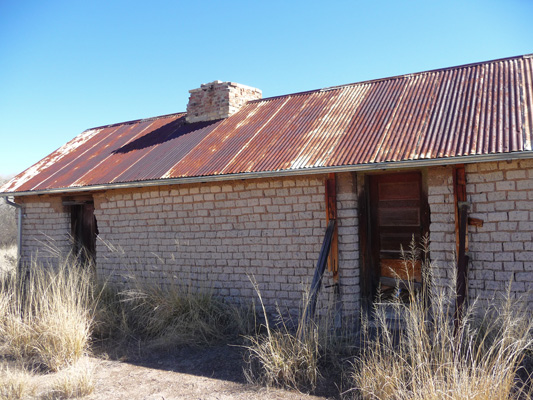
(477, 109)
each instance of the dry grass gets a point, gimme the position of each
(428, 358)
(171, 316)
(45, 319)
(15, 384)
(283, 358)
(74, 382)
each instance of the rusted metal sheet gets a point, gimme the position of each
(477, 109)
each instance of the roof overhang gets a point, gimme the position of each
(285, 173)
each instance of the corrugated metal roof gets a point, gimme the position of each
(476, 109)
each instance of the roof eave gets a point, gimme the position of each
(285, 173)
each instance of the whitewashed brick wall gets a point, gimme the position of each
(501, 252)
(45, 229)
(501, 194)
(442, 224)
(348, 225)
(214, 235)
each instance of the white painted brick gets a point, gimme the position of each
(485, 187)
(495, 196)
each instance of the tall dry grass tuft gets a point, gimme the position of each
(15, 384)
(174, 315)
(424, 356)
(283, 358)
(45, 315)
(72, 383)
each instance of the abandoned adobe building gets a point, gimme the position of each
(240, 185)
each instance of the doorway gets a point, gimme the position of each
(84, 230)
(396, 212)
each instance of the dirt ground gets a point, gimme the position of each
(211, 373)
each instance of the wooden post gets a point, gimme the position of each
(331, 214)
(461, 237)
(459, 195)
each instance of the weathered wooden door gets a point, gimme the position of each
(397, 213)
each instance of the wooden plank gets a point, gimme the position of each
(401, 283)
(331, 214)
(365, 244)
(394, 268)
(475, 222)
(462, 266)
(461, 237)
(459, 195)
(405, 190)
(399, 216)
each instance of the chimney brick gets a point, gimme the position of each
(217, 100)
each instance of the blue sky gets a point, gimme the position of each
(66, 66)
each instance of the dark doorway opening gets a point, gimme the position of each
(84, 230)
(396, 212)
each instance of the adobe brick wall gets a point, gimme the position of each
(45, 229)
(214, 235)
(348, 226)
(501, 194)
(501, 252)
(442, 224)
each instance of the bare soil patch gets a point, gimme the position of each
(185, 373)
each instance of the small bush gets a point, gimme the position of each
(282, 359)
(109, 314)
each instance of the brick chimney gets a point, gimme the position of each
(217, 100)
